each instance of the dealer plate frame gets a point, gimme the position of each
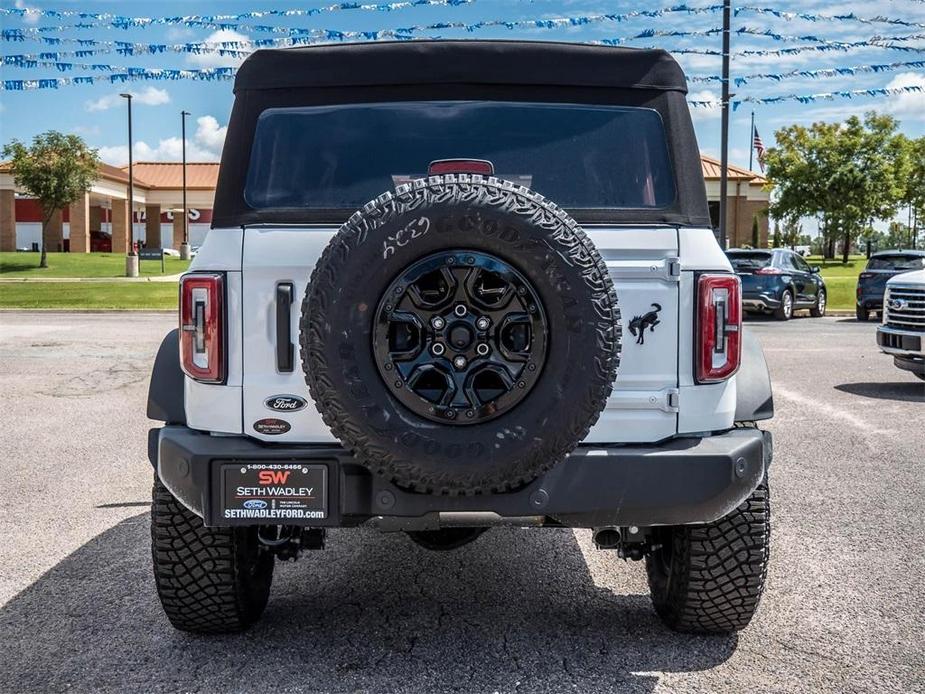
(292, 507)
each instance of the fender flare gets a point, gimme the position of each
(754, 400)
(165, 392)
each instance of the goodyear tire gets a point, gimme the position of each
(418, 248)
(209, 580)
(708, 579)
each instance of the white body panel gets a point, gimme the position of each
(654, 395)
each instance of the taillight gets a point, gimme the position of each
(719, 327)
(202, 326)
(457, 166)
(769, 271)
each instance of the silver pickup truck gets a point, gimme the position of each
(902, 333)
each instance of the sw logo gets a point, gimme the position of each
(273, 476)
(648, 320)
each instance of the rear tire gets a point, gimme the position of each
(209, 580)
(862, 314)
(818, 311)
(785, 312)
(709, 578)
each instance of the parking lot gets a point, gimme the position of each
(517, 610)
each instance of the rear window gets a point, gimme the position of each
(742, 262)
(896, 262)
(340, 157)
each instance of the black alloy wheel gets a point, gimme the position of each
(460, 337)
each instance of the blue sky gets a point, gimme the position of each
(97, 114)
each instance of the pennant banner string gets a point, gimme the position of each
(812, 74)
(810, 17)
(225, 22)
(122, 22)
(809, 98)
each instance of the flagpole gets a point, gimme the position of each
(751, 141)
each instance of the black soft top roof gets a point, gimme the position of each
(461, 62)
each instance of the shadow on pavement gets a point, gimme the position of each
(903, 391)
(517, 609)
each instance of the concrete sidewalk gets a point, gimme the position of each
(150, 278)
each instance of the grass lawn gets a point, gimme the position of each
(841, 279)
(82, 265)
(89, 295)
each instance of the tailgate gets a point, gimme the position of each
(643, 263)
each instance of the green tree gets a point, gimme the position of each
(791, 231)
(845, 174)
(913, 196)
(57, 169)
(756, 232)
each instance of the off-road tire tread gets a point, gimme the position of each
(333, 266)
(718, 570)
(201, 573)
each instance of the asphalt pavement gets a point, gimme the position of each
(518, 610)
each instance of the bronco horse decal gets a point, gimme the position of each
(648, 320)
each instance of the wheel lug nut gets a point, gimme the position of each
(451, 414)
(482, 323)
(460, 310)
(437, 322)
(438, 349)
(460, 362)
(482, 349)
(470, 413)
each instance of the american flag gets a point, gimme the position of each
(759, 147)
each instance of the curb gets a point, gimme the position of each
(53, 280)
(171, 311)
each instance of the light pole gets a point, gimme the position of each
(131, 260)
(724, 136)
(184, 247)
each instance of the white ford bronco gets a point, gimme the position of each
(453, 285)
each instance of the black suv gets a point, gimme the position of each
(881, 266)
(778, 281)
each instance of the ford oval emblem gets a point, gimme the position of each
(255, 504)
(284, 403)
(898, 304)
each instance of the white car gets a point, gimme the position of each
(902, 332)
(452, 285)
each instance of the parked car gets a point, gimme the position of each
(902, 332)
(778, 281)
(387, 328)
(100, 242)
(881, 266)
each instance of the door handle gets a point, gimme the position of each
(284, 348)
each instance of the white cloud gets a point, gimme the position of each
(205, 145)
(214, 59)
(912, 104)
(700, 113)
(33, 14)
(149, 96)
(209, 134)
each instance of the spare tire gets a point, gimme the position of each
(460, 335)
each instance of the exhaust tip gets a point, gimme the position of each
(607, 538)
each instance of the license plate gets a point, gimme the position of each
(278, 493)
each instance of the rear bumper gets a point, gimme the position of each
(679, 481)
(760, 301)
